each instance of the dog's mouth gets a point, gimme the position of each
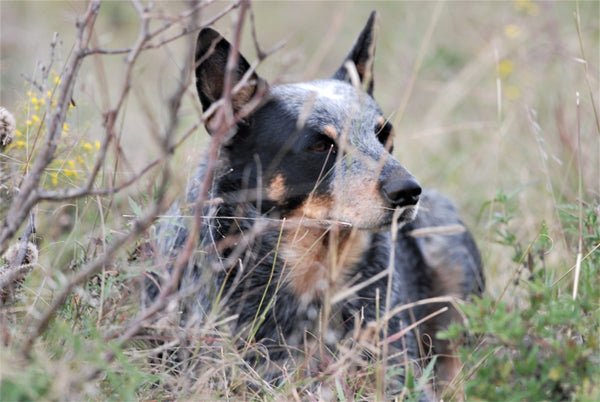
(319, 223)
(408, 214)
(376, 218)
(398, 217)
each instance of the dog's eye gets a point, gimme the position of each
(322, 145)
(384, 134)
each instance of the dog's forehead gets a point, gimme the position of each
(327, 102)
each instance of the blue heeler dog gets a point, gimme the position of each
(311, 228)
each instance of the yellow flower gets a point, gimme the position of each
(71, 163)
(512, 31)
(70, 173)
(512, 92)
(526, 6)
(54, 176)
(65, 127)
(56, 80)
(87, 146)
(34, 100)
(29, 123)
(533, 9)
(35, 118)
(97, 144)
(555, 373)
(505, 67)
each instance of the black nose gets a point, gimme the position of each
(401, 192)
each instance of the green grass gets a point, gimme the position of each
(483, 97)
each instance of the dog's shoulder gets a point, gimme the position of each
(447, 250)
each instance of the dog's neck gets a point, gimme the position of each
(316, 257)
(319, 260)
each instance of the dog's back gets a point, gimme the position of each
(296, 238)
(439, 259)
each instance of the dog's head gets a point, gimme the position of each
(318, 150)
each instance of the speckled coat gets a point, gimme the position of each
(301, 211)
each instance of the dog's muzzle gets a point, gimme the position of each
(402, 192)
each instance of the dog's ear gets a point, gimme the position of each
(362, 55)
(212, 52)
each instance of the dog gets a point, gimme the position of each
(310, 227)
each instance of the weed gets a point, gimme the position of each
(544, 347)
(482, 99)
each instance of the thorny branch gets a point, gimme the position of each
(168, 24)
(217, 139)
(27, 196)
(226, 120)
(31, 194)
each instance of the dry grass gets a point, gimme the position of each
(490, 102)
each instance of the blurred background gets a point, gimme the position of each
(483, 96)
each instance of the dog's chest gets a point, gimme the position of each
(318, 262)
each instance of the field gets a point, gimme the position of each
(494, 103)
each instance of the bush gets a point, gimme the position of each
(543, 344)
(483, 97)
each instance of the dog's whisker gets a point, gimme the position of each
(438, 230)
(295, 221)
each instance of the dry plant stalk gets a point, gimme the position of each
(31, 192)
(222, 119)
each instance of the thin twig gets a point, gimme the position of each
(404, 331)
(170, 23)
(64, 195)
(81, 276)
(580, 192)
(585, 66)
(27, 196)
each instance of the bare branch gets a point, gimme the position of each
(141, 224)
(27, 196)
(168, 25)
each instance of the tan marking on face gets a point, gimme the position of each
(318, 260)
(381, 121)
(318, 207)
(356, 199)
(330, 131)
(359, 201)
(276, 190)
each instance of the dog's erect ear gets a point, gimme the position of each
(362, 55)
(212, 52)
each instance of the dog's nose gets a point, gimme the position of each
(401, 192)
